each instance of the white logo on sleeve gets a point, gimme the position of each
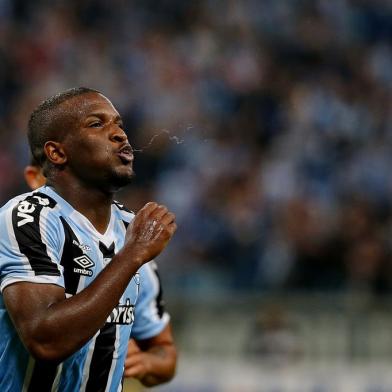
(24, 210)
(43, 201)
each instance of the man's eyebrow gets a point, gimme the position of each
(103, 114)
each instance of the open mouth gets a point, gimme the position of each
(126, 154)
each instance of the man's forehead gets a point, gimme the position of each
(86, 104)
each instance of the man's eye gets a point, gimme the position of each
(95, 124)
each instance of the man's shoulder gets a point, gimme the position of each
(34, 197)
(25, 208)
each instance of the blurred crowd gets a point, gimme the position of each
(265, 125)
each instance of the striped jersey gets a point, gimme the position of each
(43, 239)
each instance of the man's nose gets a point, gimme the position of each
(118, 135)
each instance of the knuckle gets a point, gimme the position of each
(163, 208)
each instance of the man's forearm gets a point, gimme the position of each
(56, 331)
(86, 312)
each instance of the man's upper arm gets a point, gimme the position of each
(26, 302)
(31, 276)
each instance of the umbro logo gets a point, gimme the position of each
(86, 263)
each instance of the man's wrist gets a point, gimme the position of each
(132, 255)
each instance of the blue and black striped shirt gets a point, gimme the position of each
(43, 239)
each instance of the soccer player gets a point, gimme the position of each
(137, 361)
(72, 260)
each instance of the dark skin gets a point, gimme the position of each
(88, 165)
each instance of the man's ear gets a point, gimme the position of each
(55, 153)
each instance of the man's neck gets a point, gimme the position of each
(91, 202)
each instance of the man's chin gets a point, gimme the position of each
(119, 180)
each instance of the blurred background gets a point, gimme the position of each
(266, 125)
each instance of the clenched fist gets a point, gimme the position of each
(150, 231)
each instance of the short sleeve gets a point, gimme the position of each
(30, 243)
(150, 315)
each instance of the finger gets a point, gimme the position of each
(168, 218)
(134, 371)
(132, 360)
(159, 212)
(172, 228)
(148, 208)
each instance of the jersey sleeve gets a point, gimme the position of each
(150, 315)
(30, 243)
